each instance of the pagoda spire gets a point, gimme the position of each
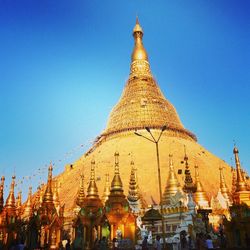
(56, 195)
(92, 191)
(200, 196)
(173, 185)
(10, 201)
(81, 195)
(106, 189)
(133, 194)
(189, 186)
(116, 184)
(19, 199)
(48, 195)
(1, 193)
(240, 184)
(28, 206)
(234, 181)
(223, 187)
(241, 194)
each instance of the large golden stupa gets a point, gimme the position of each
(142, 105)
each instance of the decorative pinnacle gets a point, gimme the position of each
(240, 184)
(19, 199)
(199, 196)
(106, 189)
(116, 185)
(48, 195)
(139, 52)
(133, 194)
(81, 194)
(172, 186)
(10, 202)
(92, 188)
(223, 187)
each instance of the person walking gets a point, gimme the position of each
(145, 243)
(157, 244)
(209, 243)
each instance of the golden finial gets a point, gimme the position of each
(1, 193)
(10, 201)
(28, 206)
(139, 57)
(81, 195)
(223, 187)
(240, 184)
(19, 199)
(116, 184)
(137, 27)
(189, 186)
(234, 181)
(55, 194)
(200, 196)
(172, 183)
(106, 189)
(48, 195)
(133, 194)
(92, 188)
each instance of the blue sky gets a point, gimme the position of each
(63, 65)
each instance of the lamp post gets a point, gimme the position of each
(155, 141)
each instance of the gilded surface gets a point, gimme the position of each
(142, 104)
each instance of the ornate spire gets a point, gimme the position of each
(116, 184)
(200, 196)
(142, 99)
(92, 188)
(10, 201)
(28, 206)
(223, 187)
(241, 184)
(48, 195)
(189, 186)
(172, 183)
(56, 195)
(234, 180)
(1, 193)
(81, 195)
(133, 194)
(106, 191)
(19, 199)
(139, 57)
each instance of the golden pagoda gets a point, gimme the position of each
(28, 209)
(48, 195)
(81, 194)
(50, 219)
(141, 105)
(133, 194)
(200, 196)
(19, 207)
(56, 196)
(172, 186)
(106, 191)
(87, 223)
(241, 194)
(10, 205)
(223, 187)
(117, 210)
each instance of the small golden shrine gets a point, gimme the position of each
(50, 221)
(122, 221)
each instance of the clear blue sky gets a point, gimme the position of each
(63, 65)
